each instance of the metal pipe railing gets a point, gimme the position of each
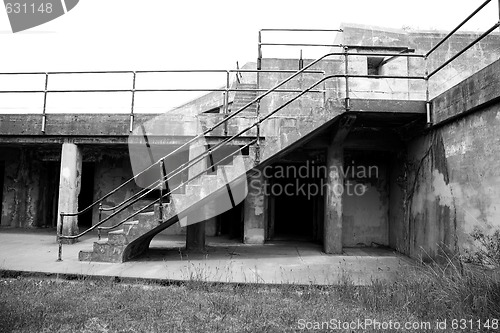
(209, 168)
(232, 115)
(477, 40)
(131, 125)
(44, 115)
(456, 28)
(234, 136)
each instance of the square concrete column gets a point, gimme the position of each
(69, 187)
(254, 220)
(195, 233)
(332, 232)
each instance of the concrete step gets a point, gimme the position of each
(112, 248)
(85, 255)
(117, 237)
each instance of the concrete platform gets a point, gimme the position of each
(225, 261)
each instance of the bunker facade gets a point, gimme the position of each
(374, 144)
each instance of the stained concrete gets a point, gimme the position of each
(225, 261)
(30, 183)
(255, 212)
(366, 200)
(447, 181)
(479, 56)
(69, 188)
(332, 234)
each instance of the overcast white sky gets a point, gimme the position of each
(159, 34)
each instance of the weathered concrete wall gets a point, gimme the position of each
(117, 125)
(110, 172)
(305, 114)
(254, 230)
(452, 181)
(479, 56)
(366, 205)
(25, 188)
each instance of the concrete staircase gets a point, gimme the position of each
(242, 98)
(204, 197)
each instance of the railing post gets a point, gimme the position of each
(162, 181)
(131, 125)
(99, 220)
(346, 72)
(427, 93)
(238, 74)
(44, 114)
(301, 61)
(59, 234)
(324, 90)
(259, 52)
(257, 134)
(226, 101)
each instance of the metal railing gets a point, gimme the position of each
(226, 90)
(184, 167)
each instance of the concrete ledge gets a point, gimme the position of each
(117, 125)
(387, 105)
(472, 93)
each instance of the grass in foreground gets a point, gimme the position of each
(44, 305)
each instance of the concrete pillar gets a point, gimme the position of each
(69, 187)
(254, 221)
(332, 232)
(195, 233)
(195, 237)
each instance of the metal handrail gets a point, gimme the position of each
(258, 98)
(161, 180)
(232, 115)
(61, 237)
(462, 51)
(258, 122)
(183, 184)
(456, 28)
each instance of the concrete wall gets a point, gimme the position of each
(451, 176)
(27, 188)
(305, 114)
(366, 205)
(479, 56)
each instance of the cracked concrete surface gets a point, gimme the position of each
(224, 261)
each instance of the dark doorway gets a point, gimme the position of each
(230, 223)
(51, 193)
(86, 197)
(293, 218)
(2, 174)
(295, 201)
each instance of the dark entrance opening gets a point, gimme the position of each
(50, 192)
(230, 223)
(296, 203)
(294, 217)
(86, 196)
(2, 173)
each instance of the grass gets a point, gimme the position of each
(428, 294)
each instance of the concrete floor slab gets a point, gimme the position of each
(224, 261)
